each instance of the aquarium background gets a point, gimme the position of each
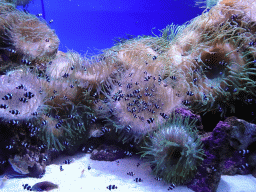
(88, 26)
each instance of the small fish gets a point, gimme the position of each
(158, 178)
(138, 179)
(105, 129)
(128, 153)
(90, 149)
(68, 161)
(27, 186)
(111, 187)
(130, 173)
(171, 187)
(44, 186)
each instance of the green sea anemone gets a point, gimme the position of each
(64, 128)
(206, 3)
(175, 150)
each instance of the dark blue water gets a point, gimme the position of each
(90, 25)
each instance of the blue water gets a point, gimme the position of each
(92, 25)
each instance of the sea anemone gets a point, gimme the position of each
(22, 94)
(138, 99)
(28, 36)
(174, 150)
(23, 3)
(216, 52)
(123, 56)
(206, 3)
(27, 99)
(224, 69)
(63, 127)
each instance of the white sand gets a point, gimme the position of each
(104, 173)
(237, 183)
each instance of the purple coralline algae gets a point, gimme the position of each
(224, 154)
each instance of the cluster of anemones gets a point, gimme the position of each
(133, 87)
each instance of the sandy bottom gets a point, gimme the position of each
(103, 174)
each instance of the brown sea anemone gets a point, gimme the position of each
(22, 94)
(217, 55)
(29, 37)
(139, 100)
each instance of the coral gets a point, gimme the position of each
(174, 150)
(107, 153)
(252, 162)
(237, 162)
(208, 175)
(241, 141)
(242, 135)
(28, 165)
(223, 154)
